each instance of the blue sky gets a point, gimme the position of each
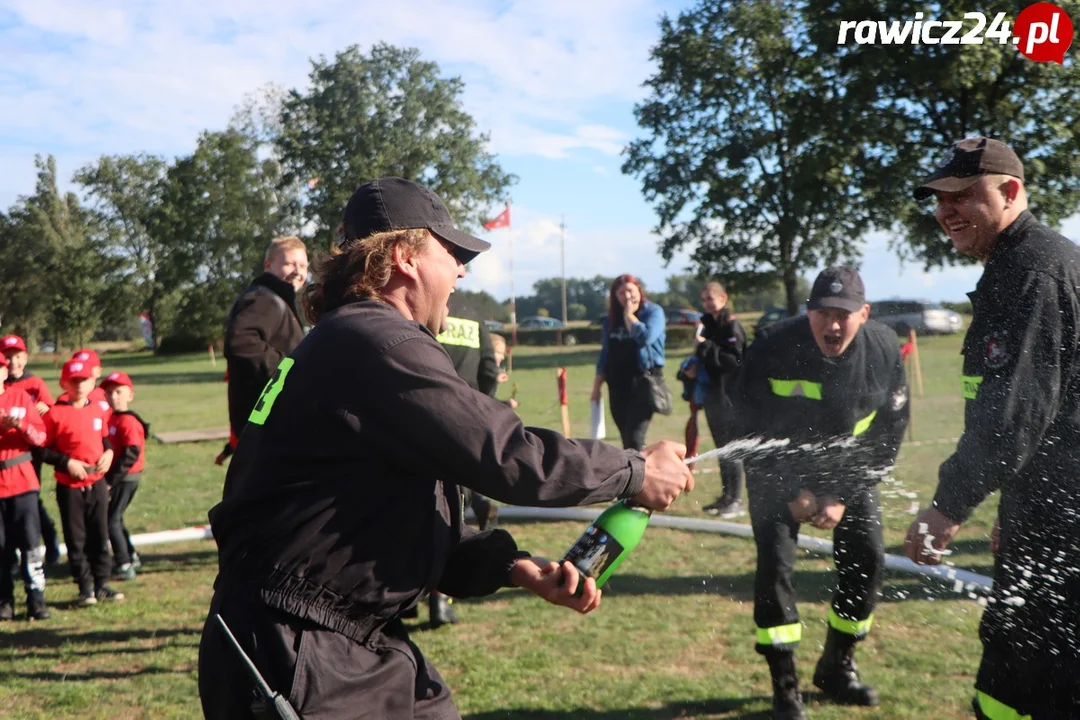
(552, 83)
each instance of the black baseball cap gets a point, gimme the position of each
(393, 203)
(969, 160)
(838, 287)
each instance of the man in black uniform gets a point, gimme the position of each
(1021, 384)
(341, 506)
(832, 381)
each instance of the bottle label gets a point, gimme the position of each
(594, 552)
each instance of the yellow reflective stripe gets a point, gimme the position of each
(850, 627)
(796, 388)
(969, 386)
(465, 333)
(997, 710)
(864, 424)
(779, 635)
(261, 411)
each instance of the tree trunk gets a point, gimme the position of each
(791, 279)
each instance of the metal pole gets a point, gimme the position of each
(513, 300)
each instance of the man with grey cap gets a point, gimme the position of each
(833, 381)
(342, 505)
(1021, 387)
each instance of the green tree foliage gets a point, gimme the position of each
(219, 210)
(590, 293)
(53, 263)
(480, 305)
(387, 113)
(922, 98)
(125, 191)
(751, 153)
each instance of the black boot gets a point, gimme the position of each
(787, 700)
(837, 675)
(441, 611)
(35, 606)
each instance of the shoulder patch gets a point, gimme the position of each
(998, 352)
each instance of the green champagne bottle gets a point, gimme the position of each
(606, 543)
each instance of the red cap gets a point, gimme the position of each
(86, 355)
(116, 378)
(12, 342)
(76, 370)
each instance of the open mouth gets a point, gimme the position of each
(833, 341)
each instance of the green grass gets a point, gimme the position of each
(673, 638)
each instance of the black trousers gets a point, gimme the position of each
(20, 531)
(120, 495)
(48, 527)
(322, 673)
(732, 472)
(629, 410)
(859, 556)
(84, 515)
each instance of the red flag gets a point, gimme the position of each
(501, 221)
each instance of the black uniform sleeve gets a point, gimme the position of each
(51, 457)
(480, 564)
(439, 427)
(247, 337)
(122, 464)
(488, 377)
(1018, 399)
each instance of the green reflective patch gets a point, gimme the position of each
(997, 710)
(850, 627)
(269, 394)
(780, 635)
(969, 386)
(864, 424)
(796, 388)
(465, 333)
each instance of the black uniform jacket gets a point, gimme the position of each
(262, 327)
(789, 389)
(342, 505)
(721, 352)
(468, 343)
(1021, 379)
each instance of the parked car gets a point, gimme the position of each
(48, 347)
(925, 318)
(774, 314)
(683, 317)
(538, 321)
(493, 325)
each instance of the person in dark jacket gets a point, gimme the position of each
(632, 346)
(720, 354)
(342, 507)
(1021, 386)
(263, 326)
(832, 382)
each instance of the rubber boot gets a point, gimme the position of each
(35, 606)
(838, 677)
(441, 611)
(787, 700)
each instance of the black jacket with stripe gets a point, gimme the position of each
(856, 404)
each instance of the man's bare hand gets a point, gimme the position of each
(76, 469)
(556, 583)
(42, 408)
(666, 475)
(804, 507)
(104, 462)
(9, 422)
(929, 536)
(830, 513)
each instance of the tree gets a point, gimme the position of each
(923, 98)
(218, 213)
(388, 113)
(753, 150)
(126, 192)
(57, 263)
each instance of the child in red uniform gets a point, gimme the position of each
(127, 433)
(14, 350)
(21, 428)
(78, 445)
(97, 395)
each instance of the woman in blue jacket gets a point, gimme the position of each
(633, 346)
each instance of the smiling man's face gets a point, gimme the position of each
(975, 216)
(834, 328)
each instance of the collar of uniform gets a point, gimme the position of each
(1008, 239)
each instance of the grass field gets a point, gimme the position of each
(673, 639)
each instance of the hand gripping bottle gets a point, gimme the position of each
(607, 542)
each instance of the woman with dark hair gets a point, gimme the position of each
(632, 346)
